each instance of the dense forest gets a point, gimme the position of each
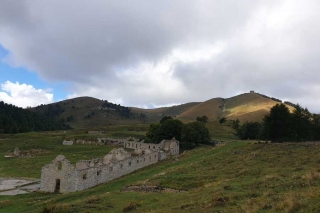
(123, 111)
(17, 120)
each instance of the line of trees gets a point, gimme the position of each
(122, 110)
(280, 125)
(272, 98)
(189, 135)
(17, 120)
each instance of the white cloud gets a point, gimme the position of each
(24, 95)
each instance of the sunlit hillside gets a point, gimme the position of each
(248, 107)
(245, 107)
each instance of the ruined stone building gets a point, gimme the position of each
(113, 141)
(62, 176)
(169, 146)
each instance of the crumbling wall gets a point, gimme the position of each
(90, 173)
(77, 141)
(172, 146)
(60, 169)
(113, 170)
(16, 152)
(116, 163)
(115, 141)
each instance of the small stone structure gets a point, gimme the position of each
(252, 91)
(16, 152)
(62, 176)
(67, 143)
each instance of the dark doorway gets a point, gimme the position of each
(57, 188)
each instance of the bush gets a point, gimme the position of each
(131, 206)
(250, 130)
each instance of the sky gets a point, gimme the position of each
(159, 53)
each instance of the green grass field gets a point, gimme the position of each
(238, 176)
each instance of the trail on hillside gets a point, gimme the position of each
(223, 109)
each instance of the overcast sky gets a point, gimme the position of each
(158, 53)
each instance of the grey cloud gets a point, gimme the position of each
(95, 44)
(99, 37)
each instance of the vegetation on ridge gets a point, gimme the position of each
(280, 125)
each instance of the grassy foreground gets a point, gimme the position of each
(235, 177)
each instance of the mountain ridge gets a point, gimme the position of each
(85, 112)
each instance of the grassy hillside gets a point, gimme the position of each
(235, 177)
(245, 107)
(248, 107)
(210, 108)
(89, 112)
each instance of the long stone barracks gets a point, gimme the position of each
(61, 176)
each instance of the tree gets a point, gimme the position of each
(236, 124)
(70, 118)
(222, 120)
(277, 125)
(165, 131)
(193, 134)
(203, 119)
(164, 119)
(153, 134)
(315, 127)
(171, 128)
(301, 124)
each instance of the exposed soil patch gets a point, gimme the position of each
(34, 152)
(144, 188)
(27, 154)
(10, 186)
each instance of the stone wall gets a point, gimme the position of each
(84, 142)
(59, 169)
(90, 173)
(67, 143)
(104, 141)
(141, 145)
